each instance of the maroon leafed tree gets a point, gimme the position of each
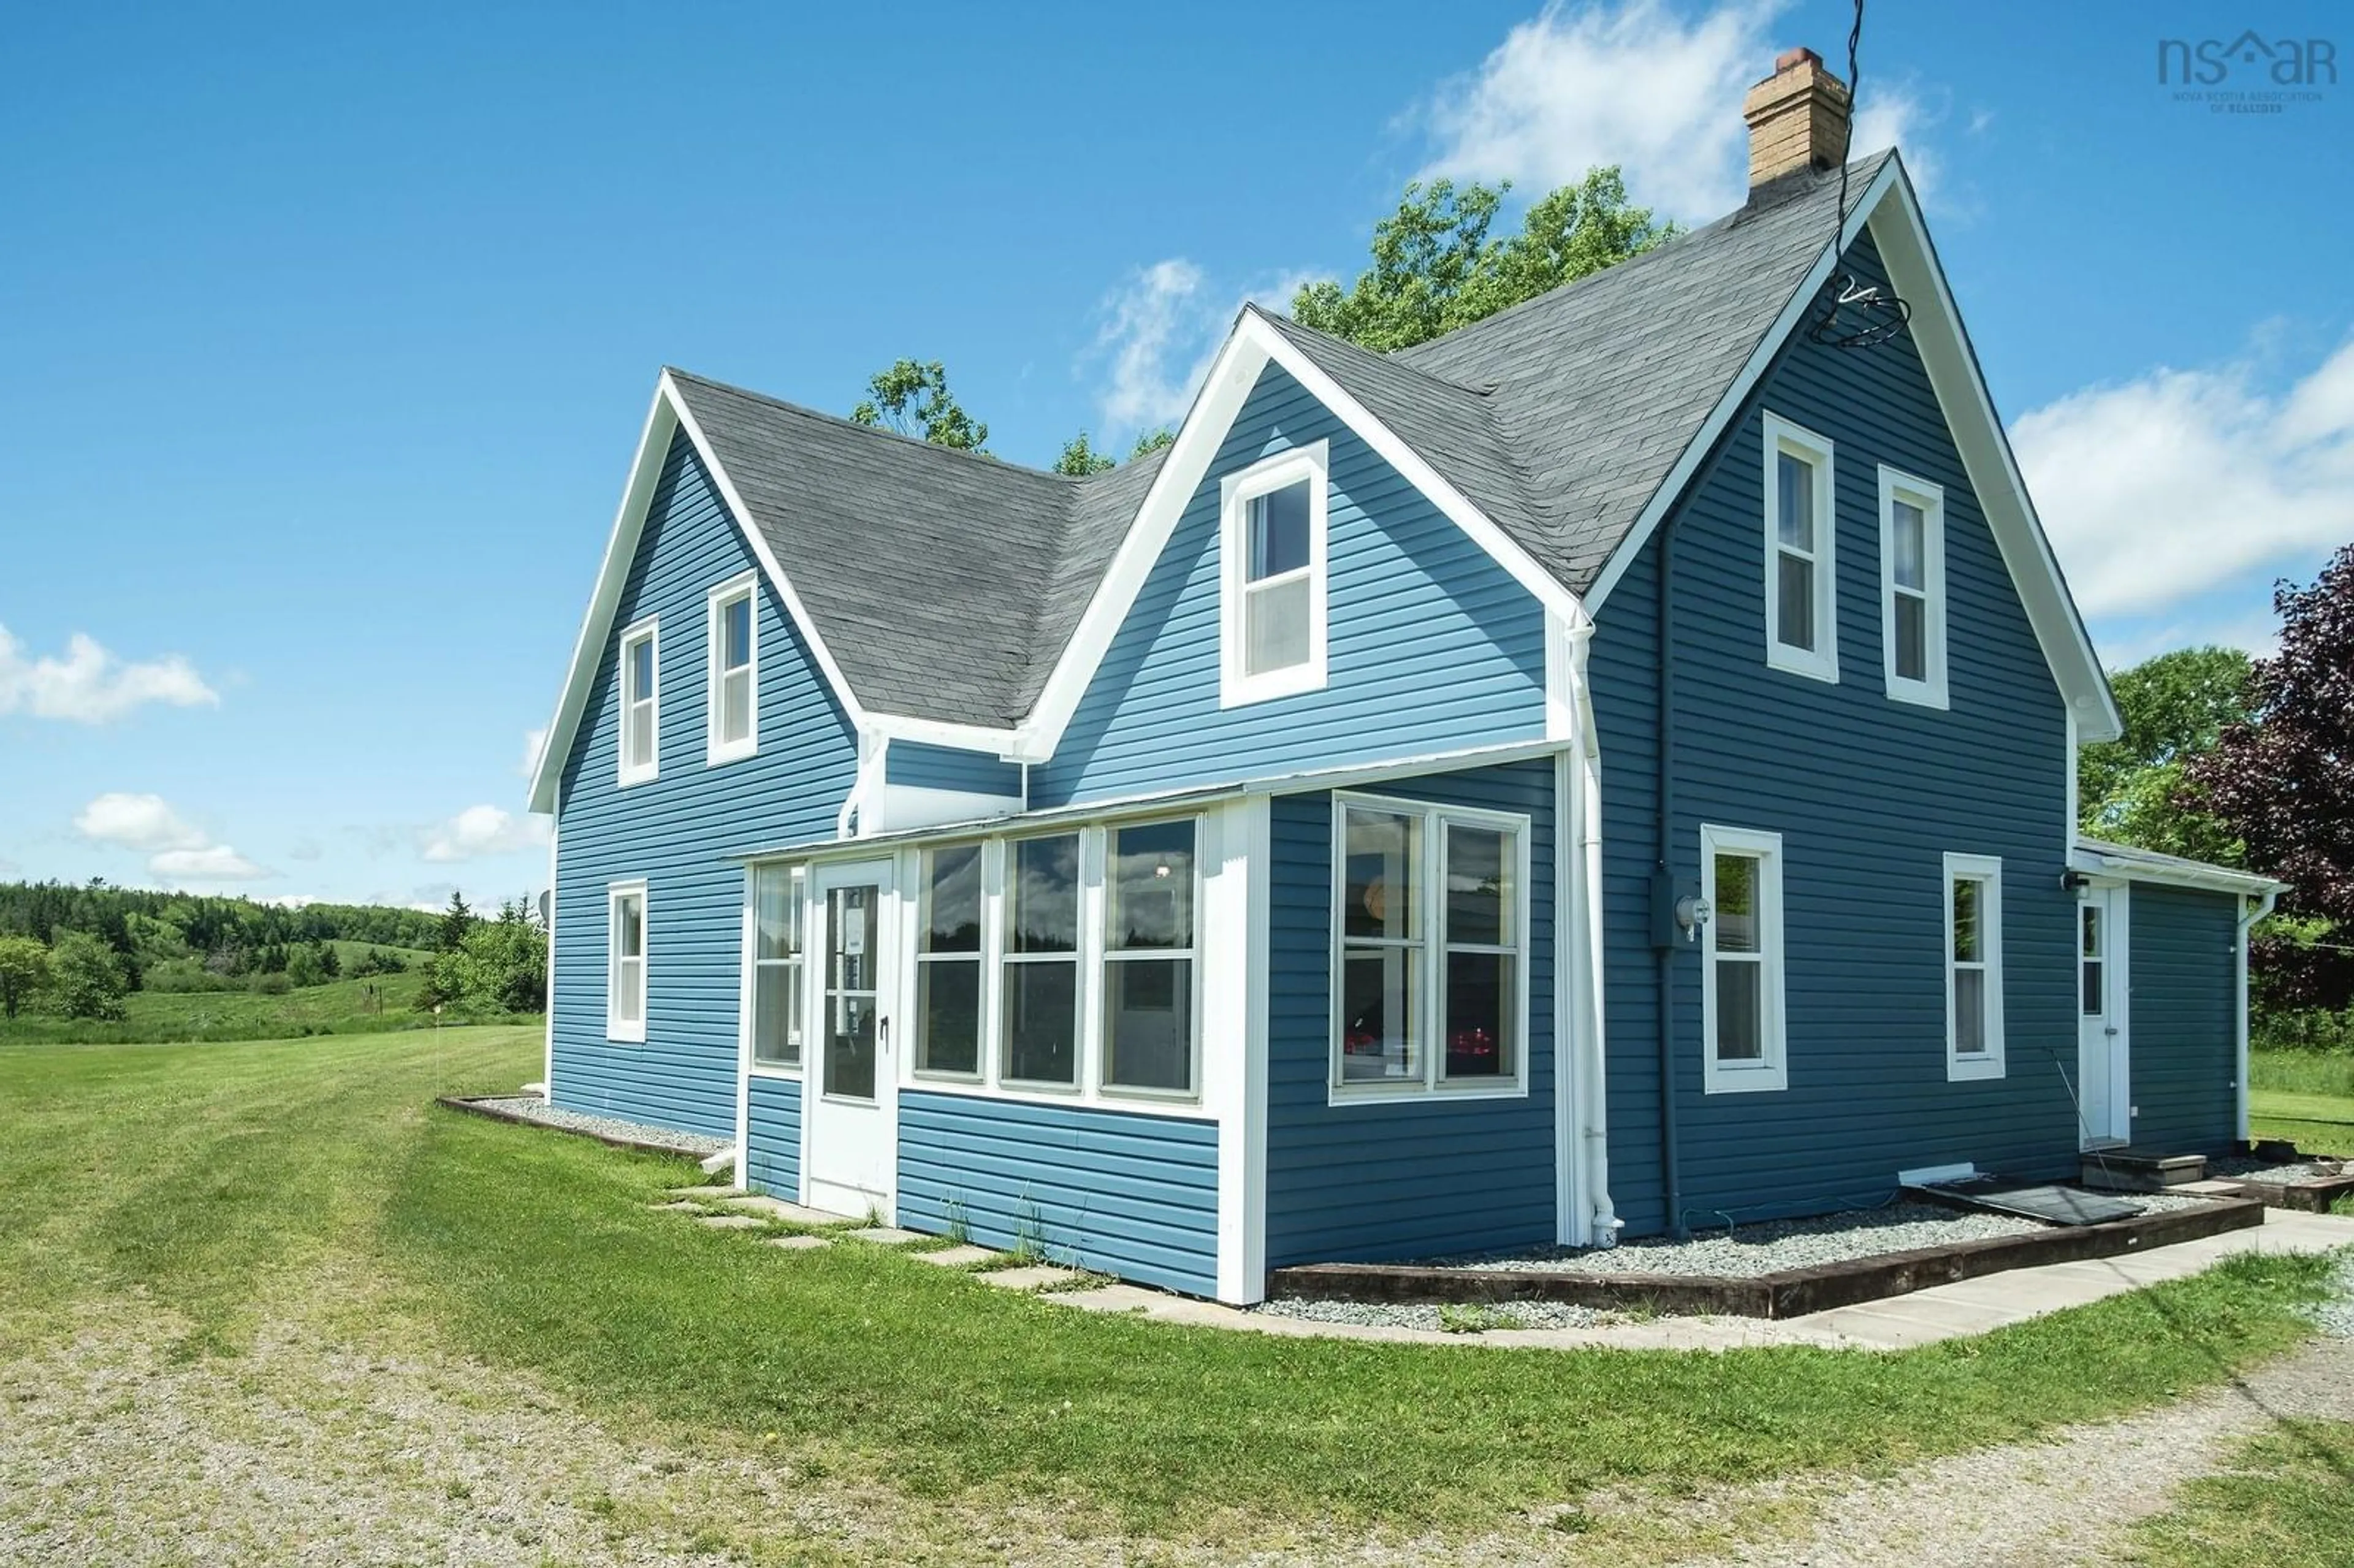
(2283, 781)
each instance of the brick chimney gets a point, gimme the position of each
(1798, 117)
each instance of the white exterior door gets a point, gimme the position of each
(2103, 1077)
(849, 1112)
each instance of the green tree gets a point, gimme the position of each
(1080, 459)
(1153, 441)
(913, 398)
(502, 966)
(87, 977)
(2137, 790)
(303, 968)
(24, 972)
(1436, 268)
(456, 921)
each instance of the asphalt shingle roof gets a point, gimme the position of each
(947, 584)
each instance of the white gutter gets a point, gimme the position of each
(2248, 919)
(1590, 1096)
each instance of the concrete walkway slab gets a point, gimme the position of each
(790, 1213)
(1032, 1277)
(712, 1194)
(885, 1235)
(1112, 1298)
(680, 1207)
(731, 1222)
(798, 1243)
(963, 1256)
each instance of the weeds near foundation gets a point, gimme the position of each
(1474, 1318)
(959, 1231)
(1029, 1232)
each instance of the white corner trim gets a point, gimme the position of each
(1986, 870)
(1929, 691)
(668, 415)
(1310, 465)
(1821, 662)
(716, 750)
(1581, 1043)
(1234, 1070)
(1771, 1072)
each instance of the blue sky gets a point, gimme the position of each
(329, 330)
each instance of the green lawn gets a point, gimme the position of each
(2306, 1097)
(2288, 1503)
(213, 1181)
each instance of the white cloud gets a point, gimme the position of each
(1159, 331)
(137, 822)
(90, 685)
(533, 739)
(480, 830)
(2158, 488)
(1636, 85)
(214, 863)
(1896, 117)
(290, 900)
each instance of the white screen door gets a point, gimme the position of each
(850, 1092)
(2104, 1079)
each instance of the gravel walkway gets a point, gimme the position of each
(1773, 1245)
(531, 1108)
(1387, 1315)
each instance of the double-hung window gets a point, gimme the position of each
(1741, 1020)
(777, 985)
(1913, 586)
(1041, 965)
(625, 973)
(948, 964)
(732, 722)
(1272, 630)
(1801, 565)
(1430, 908)
(1148, 958)
(1973, 966)
(640, 725)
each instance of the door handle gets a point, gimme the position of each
(883, 1028)
(2111, 1032)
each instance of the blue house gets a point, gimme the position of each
(1606, 768)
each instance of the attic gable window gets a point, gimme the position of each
(641, 707)
(731, 723)
(1801, 565)
(1913, 586)
(1272, 621)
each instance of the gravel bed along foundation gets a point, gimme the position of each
(2336, 1316)
(2162, 1203)
(2246, 1168)
(531, 1108)
(1771, 1246)
(1386, 1315)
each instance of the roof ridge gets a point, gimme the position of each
(805, 412)
(1392, 360)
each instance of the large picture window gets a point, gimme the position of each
(779, 1013)
(1273, 626)
(1973, 966)
(625, 973)
(640, 712)
(1148, 956)
(1801, 557)
(1041, 967)
(732, 722)
(948, 964)
(1431, 991)
(1741, 961)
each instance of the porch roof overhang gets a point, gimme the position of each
(2096, 857)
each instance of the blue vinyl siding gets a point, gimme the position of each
(1368, 1181)
(925, 767)
(1127, 1194)
(772, 1149)
(2184, 976)
(676, 830)
(1431, 646)
(1869, 794)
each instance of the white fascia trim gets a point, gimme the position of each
(1704, 439)
(2200, 878)
(716, 750)
(1931, 692)
(1986, 870)
(1821, 662)
(1771, 1074)
(1005, 745)
(668, 415)
(1247, 350)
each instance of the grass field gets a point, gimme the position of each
(372, 1004)
(2288, 1502)
(220, 1186)
(2306, 1097)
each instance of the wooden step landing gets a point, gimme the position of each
(2141, 1169)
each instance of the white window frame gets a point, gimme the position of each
(617, 1028)
(1106, 955)
(648, 631)
(1986, 870)
(1896, 485)
(716, 749)
(1000, 911)
(1771, 1072)
(980, 957)
(1822, 663)
(1430, 949)
(1311, 463)
(798, 882)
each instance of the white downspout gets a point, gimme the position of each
(1591, 1098)
(2240, 1017)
